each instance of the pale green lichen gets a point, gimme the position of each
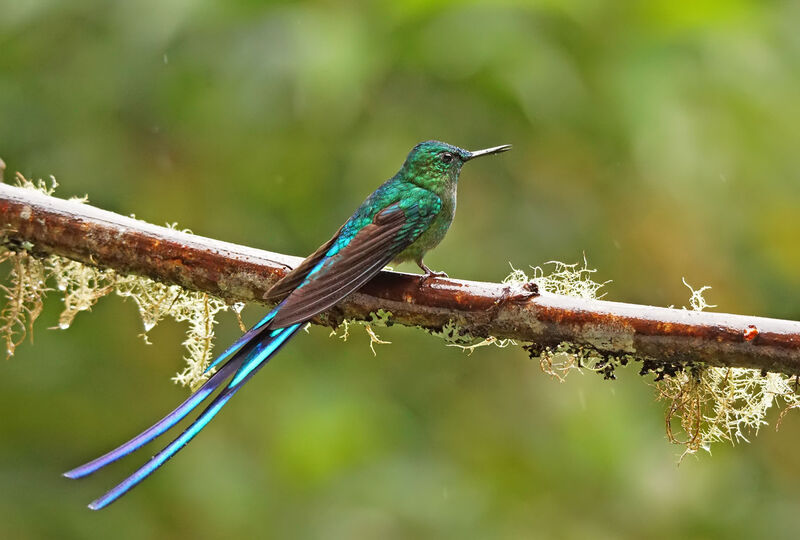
(566, 357)
(455, 335)
(37, 185)
(564, 279)
(715, 404)
(156, 301)
(712, 404)
(380, 318)
(697, 301)
(81, 286)
(486, 342)
(24, 295)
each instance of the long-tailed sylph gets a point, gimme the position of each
(402, 219)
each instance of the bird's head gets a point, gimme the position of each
(435, 165)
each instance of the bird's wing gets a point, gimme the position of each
(296, 276)
(353, 259)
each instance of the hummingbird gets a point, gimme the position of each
(400, 221)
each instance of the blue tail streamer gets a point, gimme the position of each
(247, 367)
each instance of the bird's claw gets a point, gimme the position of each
(430, 275)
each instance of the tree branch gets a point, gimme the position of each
(236, 273)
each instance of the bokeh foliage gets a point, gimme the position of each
(658, 137)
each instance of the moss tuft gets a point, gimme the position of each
(708, 404)
(380, 318)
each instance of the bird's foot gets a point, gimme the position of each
(430, 275)
(428, 272)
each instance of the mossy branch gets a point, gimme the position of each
(46, 225)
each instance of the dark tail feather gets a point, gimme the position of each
(255, 360)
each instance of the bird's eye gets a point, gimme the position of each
(447, 157)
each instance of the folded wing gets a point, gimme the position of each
(352, 261)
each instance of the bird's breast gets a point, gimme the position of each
(434, 234)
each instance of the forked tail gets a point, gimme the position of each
(244, 358)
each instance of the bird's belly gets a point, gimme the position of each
(426, 241)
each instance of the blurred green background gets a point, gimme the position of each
(659, 138)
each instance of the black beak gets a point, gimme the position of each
(488, 151)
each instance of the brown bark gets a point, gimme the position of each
(237, 273)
